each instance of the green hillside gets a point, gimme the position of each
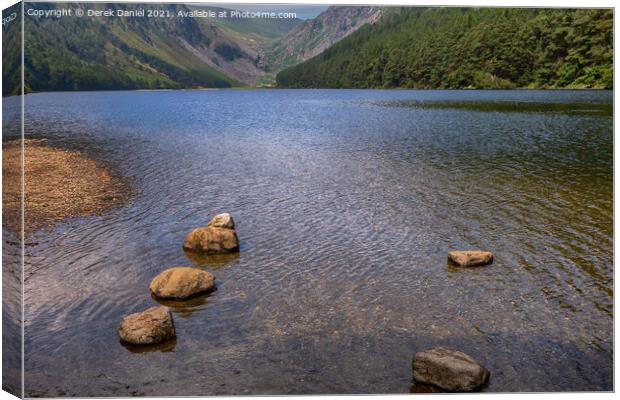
(113, 53)
(11, 52)
(468, 48)
(72, 53)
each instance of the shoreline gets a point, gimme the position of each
(250, 88)
(59, 184)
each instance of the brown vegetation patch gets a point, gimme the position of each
(58, 184)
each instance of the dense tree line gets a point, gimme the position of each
(468, 48)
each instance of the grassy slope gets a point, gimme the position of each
(72, 54)
(132, 53)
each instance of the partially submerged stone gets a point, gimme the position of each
(224, 220)
(449, 369)
(151, 326)
(470, 258)
(181, 283)
(217, 237)
(211, 240)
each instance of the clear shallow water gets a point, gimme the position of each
(346, 205)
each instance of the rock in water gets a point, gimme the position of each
(449, 369)
(222, 221)
(217, 237)
(147, 327)
(181, 283)
(211, 240)
(472, 258)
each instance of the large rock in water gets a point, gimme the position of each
(211, 240)
(471, 258)
(217, 237)
(181, 283)
(147, 327)
(449, 369)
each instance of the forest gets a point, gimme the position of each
(481, 48)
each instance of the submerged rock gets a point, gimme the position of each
(449, 369)
(471, 258)
(151, 326)
(217, 237)
(181, 283)
(224, 220)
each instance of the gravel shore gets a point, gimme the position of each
(58, 184)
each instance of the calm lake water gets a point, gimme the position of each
(346, 204)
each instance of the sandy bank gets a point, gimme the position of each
(58, 184)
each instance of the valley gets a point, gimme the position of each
(168, 46)
(176, 46)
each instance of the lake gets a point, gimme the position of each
(346, 203)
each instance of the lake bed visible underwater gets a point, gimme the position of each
(346, 204)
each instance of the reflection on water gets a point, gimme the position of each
(165, 347)
(345, 209)
(213, 261)
(584, 108)
(185, 308)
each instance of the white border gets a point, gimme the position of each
(488, 3)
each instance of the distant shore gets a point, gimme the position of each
(318, 88)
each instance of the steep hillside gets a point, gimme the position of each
(314, 36)
(342, 47)
(11, 51)
(468, 48)
(131, 53)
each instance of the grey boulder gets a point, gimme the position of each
(449, 369)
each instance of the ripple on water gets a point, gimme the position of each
(345, 207)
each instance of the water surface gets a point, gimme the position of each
(346, 205)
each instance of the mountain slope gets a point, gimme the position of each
(468, 48)
(314, 36)
(72, 53)
(11, 51)
(131, 53)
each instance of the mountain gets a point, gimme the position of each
(73, 53)
(137, 52)
(365, 47)
(468, 48)
(311, 37)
